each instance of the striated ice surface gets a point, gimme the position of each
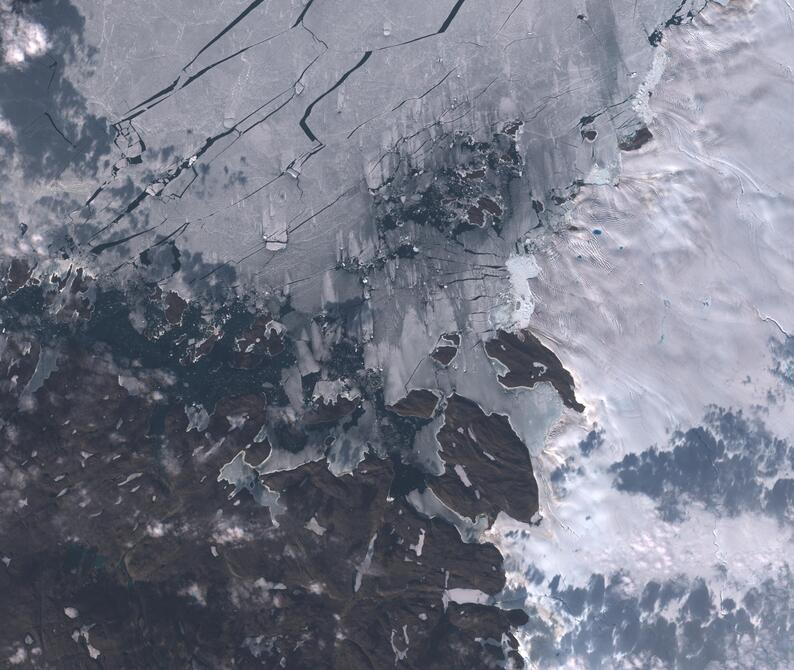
(639, 224)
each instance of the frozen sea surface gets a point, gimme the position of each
(301, 300)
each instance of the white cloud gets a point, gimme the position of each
(228, 534)
(6, 128)
(21, 39)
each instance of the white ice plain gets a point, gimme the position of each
(666, 300)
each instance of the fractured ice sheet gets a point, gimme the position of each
(303, 229)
